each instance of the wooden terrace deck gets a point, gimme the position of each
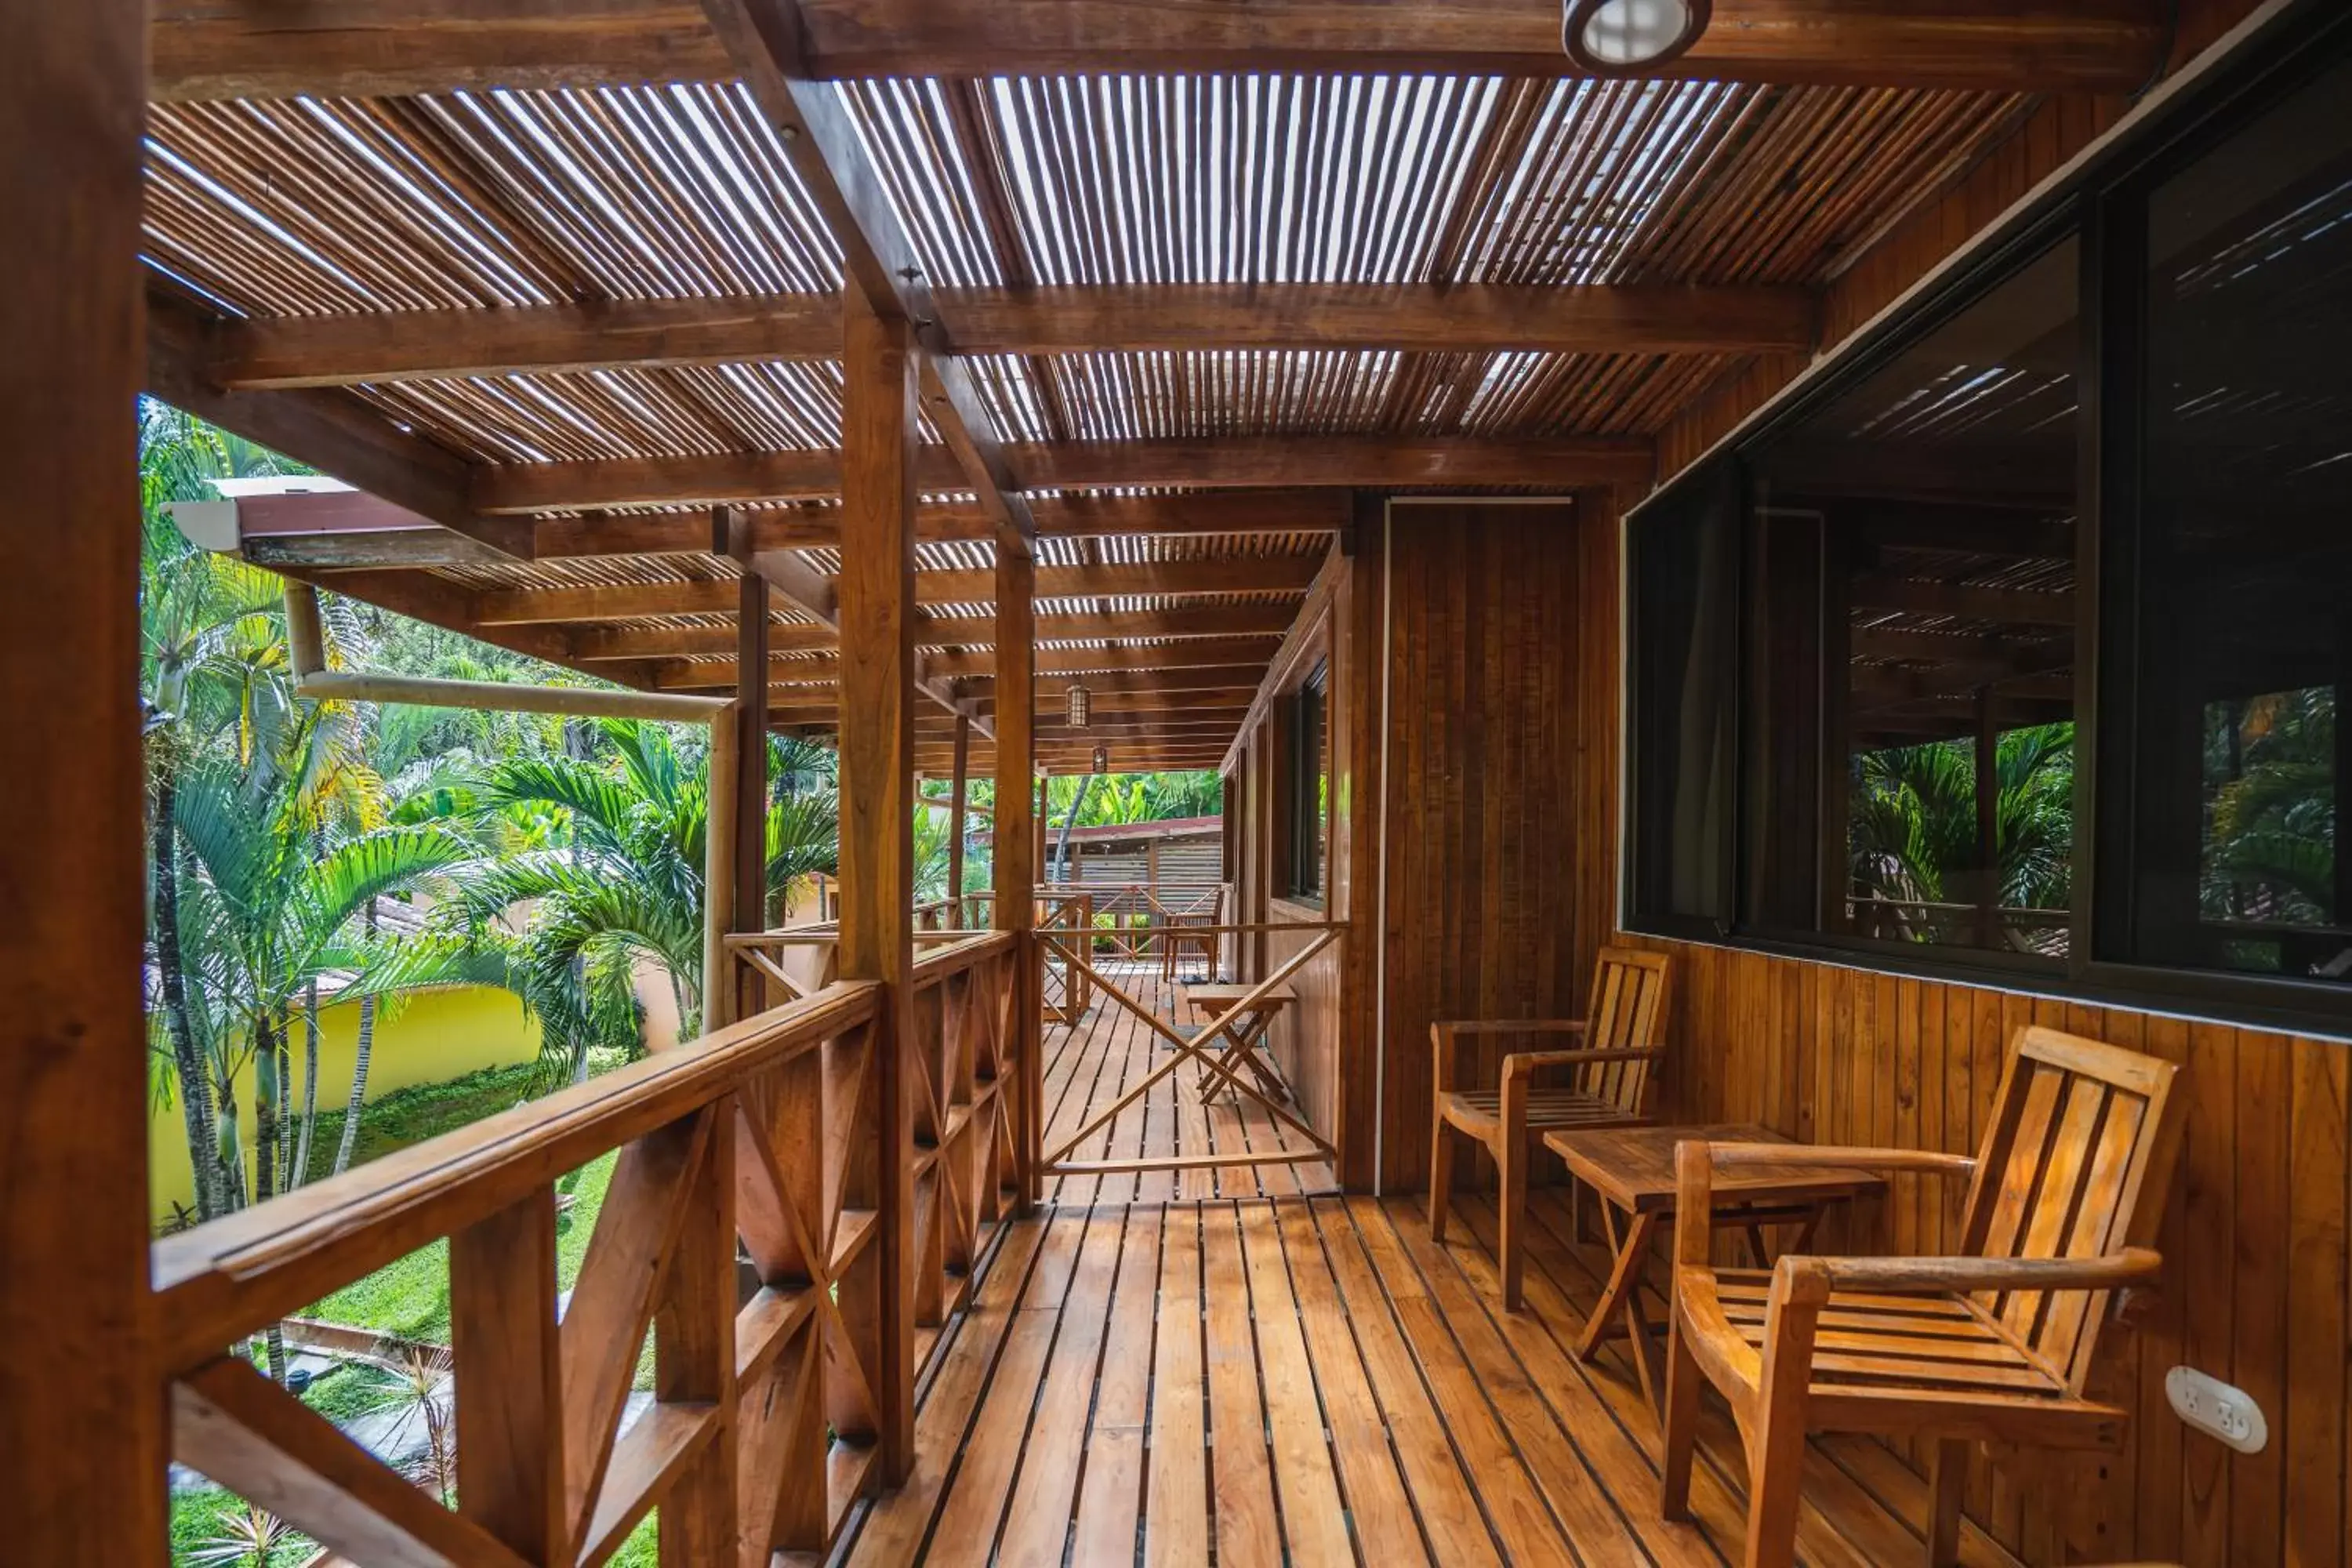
(1261, 1374)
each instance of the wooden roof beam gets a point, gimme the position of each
(1219, 623)
(427, 345)
(1563, 463)
(768, 41)
(812, 591)
(330, 431)
(352, 527)
(228, 49)
(978, 670)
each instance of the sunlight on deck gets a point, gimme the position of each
(1243, 1367)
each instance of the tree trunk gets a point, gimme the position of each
(1078, 804)
(301, 1170)
(266, 1067)
(359, 1068)
(196, 1088)
(285, 1102)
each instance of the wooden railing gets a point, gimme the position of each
(744, 1228)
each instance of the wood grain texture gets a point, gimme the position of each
(214, 48)
(877, 770)
(1219, 463)
(1487, 785)
(2255, 1288)
(425, 345)
(81, 1412)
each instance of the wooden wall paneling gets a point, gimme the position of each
(1359, 721)
(82, 1410)
(2258, 1288)
(1490, 770)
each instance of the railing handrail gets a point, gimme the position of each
(239, 1274)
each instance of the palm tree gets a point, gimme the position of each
(1912, 819)
(622, 881)
(2270, 829)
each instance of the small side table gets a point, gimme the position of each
(1243, 1034)
(1633, 1171)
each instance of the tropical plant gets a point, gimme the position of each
(2270, 827)
(622, 880)
(1912, 821)
(243, 1538)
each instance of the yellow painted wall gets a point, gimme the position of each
(431, 1038)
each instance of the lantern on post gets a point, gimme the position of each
(1102, 759)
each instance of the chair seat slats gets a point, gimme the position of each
(1546, 1109)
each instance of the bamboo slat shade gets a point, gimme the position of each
(380, 217)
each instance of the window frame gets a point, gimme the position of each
(2104, 203)
(1303, 767)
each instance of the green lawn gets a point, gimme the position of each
(411, 1296)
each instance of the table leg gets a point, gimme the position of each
(1631, 1250)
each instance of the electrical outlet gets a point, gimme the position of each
(2212, 1405)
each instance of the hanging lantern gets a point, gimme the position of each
(1102, 759)
(1081, 705)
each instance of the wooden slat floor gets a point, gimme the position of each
(1090, 1064)
(1262, 1375)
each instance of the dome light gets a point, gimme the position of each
(1620, 38)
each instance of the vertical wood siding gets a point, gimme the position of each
(2254, 1239)
(1495, 878)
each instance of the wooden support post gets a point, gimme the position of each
(720, 984)
(956, 820)
(1014, 855)
(750, 912)
(82, 1406)
(503, 1343)
(877, 808)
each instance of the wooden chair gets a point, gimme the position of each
(1183, 932)
(1993, 1344)
(1604, 1082)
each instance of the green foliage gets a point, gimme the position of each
(1912, 819)
(2270, 819)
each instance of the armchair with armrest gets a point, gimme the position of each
(1602, 1081)
(1994, 1344)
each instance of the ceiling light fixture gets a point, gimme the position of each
(1621, 37)
(1081, 705)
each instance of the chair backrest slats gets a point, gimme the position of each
(2081, 1130)
(1628, 996)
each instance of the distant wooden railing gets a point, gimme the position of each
(764, 1136)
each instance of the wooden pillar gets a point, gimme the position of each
(750, 896)
(877, 772)
(81, 1403)
(1014, 858)
(956, 792)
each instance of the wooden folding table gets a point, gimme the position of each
(1243, 1033)
(1631, 1169)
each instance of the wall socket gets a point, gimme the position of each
(2212, 1405)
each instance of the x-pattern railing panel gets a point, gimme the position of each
(764, 1422)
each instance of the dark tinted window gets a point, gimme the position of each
(2244, 587)
(1684, 562)
(1911, 644)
